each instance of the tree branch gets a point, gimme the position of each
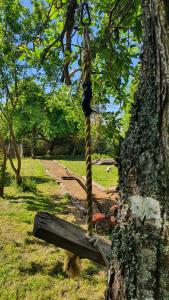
(67, 30)
(121, 14)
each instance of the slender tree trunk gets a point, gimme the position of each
(76, 143)
(33, 142)
(13, 143)
(21, 150)
(2, 169)
(52, 144)
(140, 244)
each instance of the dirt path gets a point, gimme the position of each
(57, 171)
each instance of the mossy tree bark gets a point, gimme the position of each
(140, 248)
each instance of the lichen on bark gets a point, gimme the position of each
(140, 245)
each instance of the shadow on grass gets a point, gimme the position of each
(38, 179)
(18, 198)
(9, 179)
(33, 269)
(38, 202)
(58, 270)
(42, 203)
(92, 270)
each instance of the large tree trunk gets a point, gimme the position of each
(140, 247)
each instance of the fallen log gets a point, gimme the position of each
(104, 161)
(65, 235)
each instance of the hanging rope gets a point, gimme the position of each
(87, 96)
(71, 262)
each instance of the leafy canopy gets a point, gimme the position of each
(34, 55)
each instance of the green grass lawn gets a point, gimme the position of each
(99, 171)
(31, 269)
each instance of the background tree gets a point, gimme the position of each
(114, 42)
(30, 114)
(3, 154)
(48, 116)
(12, 33)
(68, 100)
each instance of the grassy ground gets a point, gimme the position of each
(99, 171)
(31, 269)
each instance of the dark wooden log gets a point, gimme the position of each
(69, 237)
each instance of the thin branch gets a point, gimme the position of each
(125, 10)
(47, 49)
(111, 13)
(122, 13)
(72, 73)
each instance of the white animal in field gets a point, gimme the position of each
(109, 169)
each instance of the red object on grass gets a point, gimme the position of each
(98, 217)
(104, 222)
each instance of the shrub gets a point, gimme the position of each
(28, 185)
(9, 179)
